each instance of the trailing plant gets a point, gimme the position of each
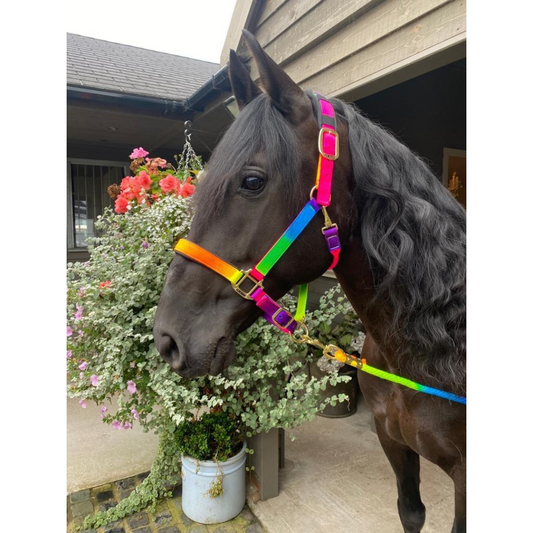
(111, 355)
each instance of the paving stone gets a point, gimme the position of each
(80, 496)
(116, 530)
(88, 531)
(171, 529)
(138, 520)
(143, 530)
(123, 494)
(186, 520)
(247, 515)
(125, 484)
(143, 476)
(224, 528)
(81, 508)
(106, 506)
(199, 529)
(254, 528)
(102, 488)
(104, 496)
(113, 525)
(162, 519)
(177, 503)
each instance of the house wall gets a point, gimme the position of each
(351, 49)
(427, 113)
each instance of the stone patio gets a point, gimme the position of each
(167, 518)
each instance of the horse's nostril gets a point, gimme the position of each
(170, 353)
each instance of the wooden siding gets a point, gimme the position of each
(335, 46)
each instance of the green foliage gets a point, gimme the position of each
(111, 304)
(215, 436)
(165, 472)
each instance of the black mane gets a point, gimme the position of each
(414, 233)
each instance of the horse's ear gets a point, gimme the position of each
(286, 95)
(244, 89)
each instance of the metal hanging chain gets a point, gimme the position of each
(188, 154)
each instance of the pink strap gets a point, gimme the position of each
(325, 166)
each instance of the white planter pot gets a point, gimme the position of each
(198, 477)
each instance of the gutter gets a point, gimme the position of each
(160, 107)
(143, 104)
(218, 83)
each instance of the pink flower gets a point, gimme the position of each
(132, 364)
(115, 424)
(138, 152)
(81, 292)
(132, 388)
(94, 380)
(169, 184)
(69, 331)
(105, 284)
(187, 189)
(79, 312)
(69, 354)
(144, 180)
(83, 403)
(121, 205)
(135, 414)
(145, 244)
(103, 409)
(127, 425)
(83, 366)
(82, 374)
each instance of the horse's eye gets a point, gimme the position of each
(252, 183)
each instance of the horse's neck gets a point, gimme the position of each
(356, 280)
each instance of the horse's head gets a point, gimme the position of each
(256, 182)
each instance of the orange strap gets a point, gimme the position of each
(202, 256)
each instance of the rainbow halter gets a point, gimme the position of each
(328, 148)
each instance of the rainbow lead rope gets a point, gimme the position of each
(334, 352)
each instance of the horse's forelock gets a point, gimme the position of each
(259, 129)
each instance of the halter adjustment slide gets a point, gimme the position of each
(240, 291)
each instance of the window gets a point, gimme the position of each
(87, 196)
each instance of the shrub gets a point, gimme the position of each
(111, 355)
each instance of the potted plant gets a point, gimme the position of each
(213, 466)
(336, 322)
(111, 356)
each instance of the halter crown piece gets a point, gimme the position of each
(249, 283)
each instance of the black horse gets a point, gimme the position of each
(402, 265)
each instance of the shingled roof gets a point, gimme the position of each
(120, 68)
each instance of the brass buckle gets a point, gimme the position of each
(277, 323)
(241, 292)
(321, 142)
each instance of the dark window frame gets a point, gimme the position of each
(71, 238)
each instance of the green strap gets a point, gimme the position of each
(302, 302)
